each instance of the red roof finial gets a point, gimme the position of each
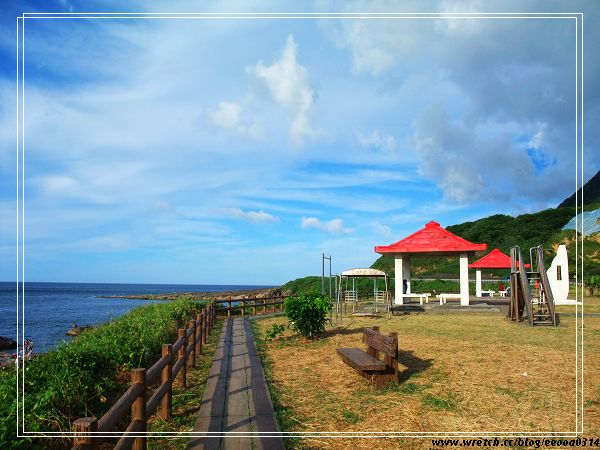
(432, 223)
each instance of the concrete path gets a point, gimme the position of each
(236, 399)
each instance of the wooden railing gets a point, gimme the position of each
(172, 365)
(258, 305)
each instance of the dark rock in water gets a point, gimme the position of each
(7, 343)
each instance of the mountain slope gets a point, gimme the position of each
(591, 192)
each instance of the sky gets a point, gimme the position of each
(237, 151)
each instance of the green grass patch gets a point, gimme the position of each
(84, 377)
(438, 403)
(350, 416)
(404, 388)
(507, 391)
(285, 416)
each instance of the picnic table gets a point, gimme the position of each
(489, 293)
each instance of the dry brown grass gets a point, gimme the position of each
(472, 372)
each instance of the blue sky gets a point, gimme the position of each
(238, 150)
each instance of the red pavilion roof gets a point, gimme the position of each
(431, 239)
(493, 260)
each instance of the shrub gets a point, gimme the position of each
(308, 313)
(276, 329)
(592, 283)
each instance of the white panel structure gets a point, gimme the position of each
(558, 275)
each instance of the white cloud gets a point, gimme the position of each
(229, 115)
(376, 140)
(288, 83)
(466, 166)
(381, 229)
(538, 138)
(255, 217)
(335, 226)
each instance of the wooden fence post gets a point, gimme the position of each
(181, 356)
(243, 306)
(192, 358)
(198, 336)
(229, 307)
(82, 428)
(206, 321)
(166, 378)
(138, 407)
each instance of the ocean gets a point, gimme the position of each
(50, 309)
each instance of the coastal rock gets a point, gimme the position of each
(6, 359)
(7, 343)
(76, 331)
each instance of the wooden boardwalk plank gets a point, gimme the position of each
(236, 398)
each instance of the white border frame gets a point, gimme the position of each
(20, 260)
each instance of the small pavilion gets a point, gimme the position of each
(493, 260)
(433, 240)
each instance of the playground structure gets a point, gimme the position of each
(348, 294)
(530, 291)
(493, 260)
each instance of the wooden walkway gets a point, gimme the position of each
(236, 399)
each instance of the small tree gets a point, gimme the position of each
(308, 313)
(592, 283)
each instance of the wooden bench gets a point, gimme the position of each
(368, 364)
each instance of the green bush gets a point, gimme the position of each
(277, 329)
(79, 378)
(308, 313)
(592, 283)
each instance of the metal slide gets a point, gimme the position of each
(531, 289)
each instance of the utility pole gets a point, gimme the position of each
(323, 258)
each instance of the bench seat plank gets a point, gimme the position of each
(360, 360)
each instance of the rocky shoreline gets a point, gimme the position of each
(223, 295)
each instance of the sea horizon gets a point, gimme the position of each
(50, 308)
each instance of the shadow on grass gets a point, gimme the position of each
(342, 331)
(412, 363)
(400, 310)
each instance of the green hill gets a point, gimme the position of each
(500, 231)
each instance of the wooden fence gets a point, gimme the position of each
(264, 305)
(170, 367)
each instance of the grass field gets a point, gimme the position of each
(464, 371)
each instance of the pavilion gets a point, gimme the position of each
(493, 260)
(433, 240)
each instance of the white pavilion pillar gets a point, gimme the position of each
(478, 282)
(406, 273)
(399, 273)
(464, 279)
